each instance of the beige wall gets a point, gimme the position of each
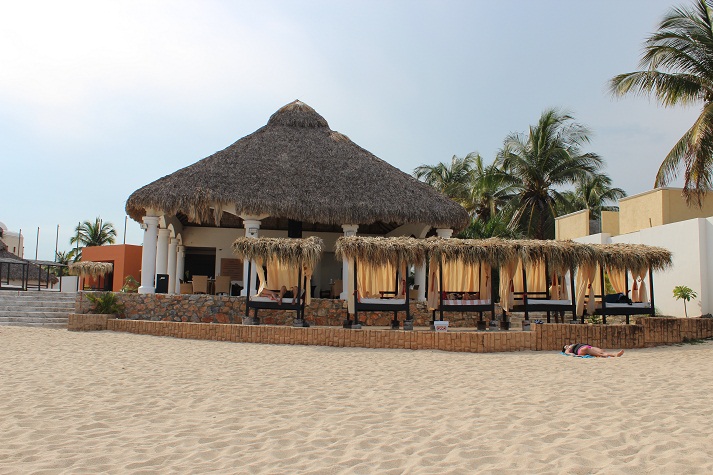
(675, 208)
(657, 207)
(610, 222)
(572, 226)
(641, 211)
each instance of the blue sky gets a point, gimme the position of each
(99, 98)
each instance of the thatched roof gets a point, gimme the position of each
(296, 167)
(494, 251)
(634, 256)
(16, 267)
(90, 268)
(382, 249)
(290, 251)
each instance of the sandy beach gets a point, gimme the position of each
(118, 403)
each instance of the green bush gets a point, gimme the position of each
(106, 303)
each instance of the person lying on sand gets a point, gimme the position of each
(581, 349)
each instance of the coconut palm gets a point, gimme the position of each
(97, 233)
(678, 69)
(496, 226)
(548, 157)
(595, 193)
(453, 180)
(490, 191)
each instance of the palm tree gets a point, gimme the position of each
(490, 191)
(66, 258)
(678, 69)
(548, 157)
(97, 233)
(594, 192)
(496, 226)
(452, 180)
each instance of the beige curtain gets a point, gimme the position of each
(507, 272)
(457, 277)
(372, 279)
(617, 279)
(485, 284)
(280, 274)
(536, 279)
(638, 291)
(350, 286)
(586, 276)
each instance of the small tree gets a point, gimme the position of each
(686, 293)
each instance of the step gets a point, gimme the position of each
(43, 306)
(43, 325)
(31, 308)
(33, 320)
(28, 314)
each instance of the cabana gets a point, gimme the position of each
(84, 269)
(460, 275)
(378, 282)
(537, 281)
(618, 261)
(289, 262)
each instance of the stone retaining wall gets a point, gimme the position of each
(646, 332)
(223, 309)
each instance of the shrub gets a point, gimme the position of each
(106, 303)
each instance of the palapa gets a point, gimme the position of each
(290, 251)
(294, 160)
(90, 268)
(633, 256)
(375, 250)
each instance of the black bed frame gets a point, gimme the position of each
(530, 304)
(480, 308)
(626, 311)
(298, 306)
(377, 307)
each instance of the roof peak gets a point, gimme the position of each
(297, 114)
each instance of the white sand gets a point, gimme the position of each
(119, 403)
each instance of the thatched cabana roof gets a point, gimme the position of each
(633, 256)
(90, 268)
(291, 251)
(382, 249)
(494, 251)
(296, 167)
(16, 267)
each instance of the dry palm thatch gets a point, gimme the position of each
(493, 251)
(15, 267)
(633, 256)
(559, 255)
(292, 161)
(90, 268)
(290, 251)
(376, 250)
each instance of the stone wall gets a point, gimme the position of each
(646, 332)
(222, 309)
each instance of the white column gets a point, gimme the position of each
(420, 280)
(148, 255)
(171, 271)
(252, 227)
(444, 233)
(349, 230)
(180, 266)
(162, 251)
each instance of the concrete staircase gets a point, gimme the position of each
(36, 309)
